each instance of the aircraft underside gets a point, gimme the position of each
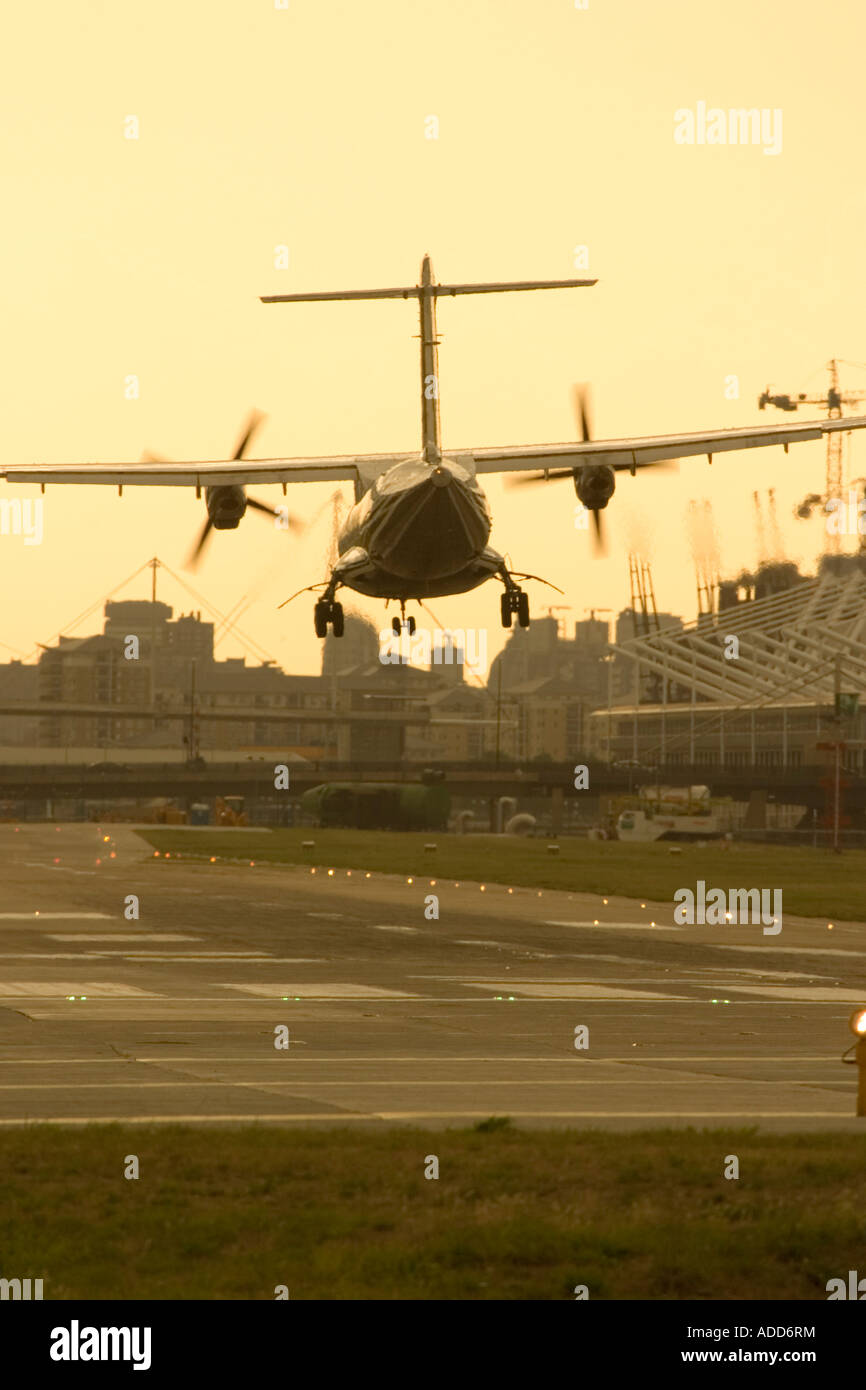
(357, 571)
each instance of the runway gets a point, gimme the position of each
(392, 1016)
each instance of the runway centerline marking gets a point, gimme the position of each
(788, 950)
(815, 994)
(120, 936)
(172, 1059)
(39, 916)
(613, 926)
(195, 1081)
(322, 990)
(347, 1116)
(51, 989)
(565, 990)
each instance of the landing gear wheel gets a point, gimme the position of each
(514, 600)
(328, 613)
(402, 624)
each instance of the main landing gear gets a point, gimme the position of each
(328, 613)
(514, 600)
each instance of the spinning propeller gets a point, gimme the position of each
(594, 483)
(227, 503)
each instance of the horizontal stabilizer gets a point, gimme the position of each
(422, 291)
(495, 287)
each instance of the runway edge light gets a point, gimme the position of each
(857, 1024)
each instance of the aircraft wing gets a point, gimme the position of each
(205, 473)
(638, 453)
(618, 453)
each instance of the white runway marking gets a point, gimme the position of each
(343, 1117)
(38, 916)
(173, 1059)
(805, 993)
(565, 990)
(61, 869)
(697, 970)
(214, 957)
(58, 989)
(120, 936)
(325, 990)
(769, 974)
(410, 931)
(789, 950)
(296, 1083)
(615, 926)
(51, 955)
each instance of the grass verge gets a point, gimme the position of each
(815, 882)
(346, 1214)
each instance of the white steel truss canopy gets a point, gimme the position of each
(792, 647)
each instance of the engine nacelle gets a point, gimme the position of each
(594, 484)
(225, 506)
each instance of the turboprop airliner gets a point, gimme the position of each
(420, 524)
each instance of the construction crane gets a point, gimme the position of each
(646, 621)
(643, 599)
(705, 554)
(832, 402)
(552, 608)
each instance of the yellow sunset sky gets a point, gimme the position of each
(305, 126)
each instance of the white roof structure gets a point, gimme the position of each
(791, 646)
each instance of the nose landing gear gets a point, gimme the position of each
(398, 624)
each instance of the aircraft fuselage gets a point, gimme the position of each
(419, 531)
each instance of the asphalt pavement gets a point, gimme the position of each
(392, 1014)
